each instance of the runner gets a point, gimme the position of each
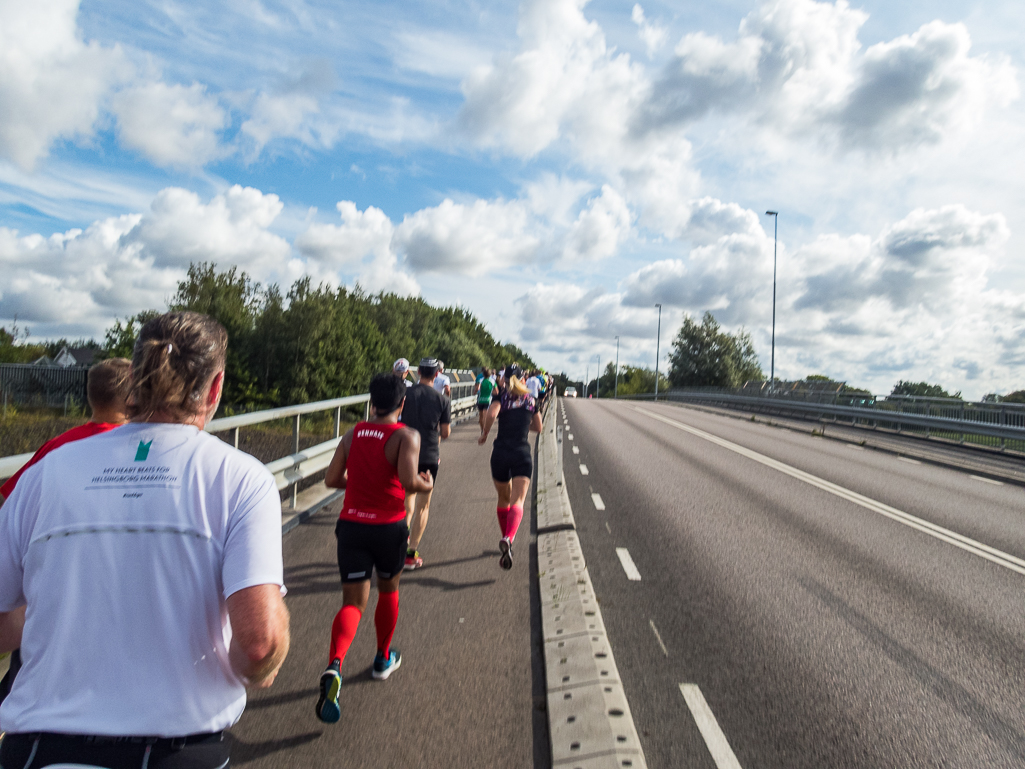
(485, 387)
(376, 464)
(441, 382)
(149, 623)
(429, 412)
(511, 461)
(401, 370)
(106, 388)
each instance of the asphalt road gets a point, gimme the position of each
(821, 631)
(469, 633)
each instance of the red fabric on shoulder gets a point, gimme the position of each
(74, 434)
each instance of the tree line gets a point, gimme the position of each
(314, 342)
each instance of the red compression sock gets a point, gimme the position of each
(503, 515)
(385, 619)
(512, 522)
(343, 630)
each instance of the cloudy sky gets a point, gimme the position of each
(556, 166)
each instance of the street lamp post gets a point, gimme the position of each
(587, 377)
(658, 340)
(775, 234)
(616, 393)
(597, 382)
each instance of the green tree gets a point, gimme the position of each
(632, 381)
(15, 348)
(703, 355)
(119, 340)
(922, 390)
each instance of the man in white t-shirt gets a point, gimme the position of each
(534, 385)
(441, 382)
(150, 560)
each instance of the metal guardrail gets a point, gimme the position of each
(854, 414)
(290, 470)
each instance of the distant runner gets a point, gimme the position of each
(376, 464)
(429, 412)
(441, 382)
(401, 369)
(511, 461)
(485, 386)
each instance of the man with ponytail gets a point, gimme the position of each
(376, 463)
(512, 464)
(151, 559)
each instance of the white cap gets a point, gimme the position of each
(401, 366)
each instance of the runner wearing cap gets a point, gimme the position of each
(150, 558)
(441, 382)
(401, 370)
(376, 464)
(430, 413)
(511, 461)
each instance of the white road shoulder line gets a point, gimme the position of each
(599, 504)
(720, 749)
(988, 480)
(909, 460)
(584, 470)
(628, 564)
(967, 544)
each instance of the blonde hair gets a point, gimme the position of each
(174, 359)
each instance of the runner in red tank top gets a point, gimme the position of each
(376, 464)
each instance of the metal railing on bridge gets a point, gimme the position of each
(999, 425)
(291, 470)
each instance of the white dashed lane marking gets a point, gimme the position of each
(599, 504)
(583, 469)
(570, 436)
(576, 450)
(628, 564)
(720, 749)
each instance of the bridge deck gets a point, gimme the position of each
(465, 692)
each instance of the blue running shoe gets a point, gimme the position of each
(385, 666)
(328, 709)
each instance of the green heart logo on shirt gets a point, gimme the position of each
(143, 451)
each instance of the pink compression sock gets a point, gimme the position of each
(503, 515)
(343, 630)
(512, 521)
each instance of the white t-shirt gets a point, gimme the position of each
(533, 386)
(441, 381)
(125, 546)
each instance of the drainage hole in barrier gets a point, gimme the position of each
(627, 762)
(620, 738)
(562, 661)
(566, 678)
(571, 719)
(607, 688)
(615, 712)
(574, 746)
(601, 655)
(561, 644)
(567, 696)
(605, 672)
(589, 613)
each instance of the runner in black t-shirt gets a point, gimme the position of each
(511, 461)
(430, 413)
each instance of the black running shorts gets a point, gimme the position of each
(506, 465)
(431, 468)
(483, 406)
(196, 751)
(363, 547)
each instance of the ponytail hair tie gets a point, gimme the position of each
(170, 348)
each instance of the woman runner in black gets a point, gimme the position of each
(511, 461)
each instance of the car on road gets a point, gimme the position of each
(571, 392)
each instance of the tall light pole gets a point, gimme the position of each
(597, 382)
(587, 377)
(658, 340)
(616, 393)
(775, 234)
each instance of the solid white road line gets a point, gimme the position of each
(720, 749)
(909, 460)
(945, 535)
(576, 449)
(598, 503)
(658, 637)
(584, 470)
(628, 564)
(988, 480)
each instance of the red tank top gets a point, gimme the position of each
(373, 493)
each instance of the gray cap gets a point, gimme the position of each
(428, 363)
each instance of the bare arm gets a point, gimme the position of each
(535, 423)
(444, 430)
(489, 419)
(336, 476)
(11, 625)
(259, 634)
(408, 461)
